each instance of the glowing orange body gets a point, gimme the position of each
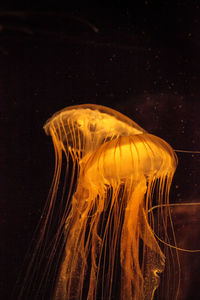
(104, 239)
(111, 151)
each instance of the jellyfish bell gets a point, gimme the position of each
(135, 155)
(85, 127)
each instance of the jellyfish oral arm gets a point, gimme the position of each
(131, 270)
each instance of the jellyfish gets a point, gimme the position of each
(113, 172)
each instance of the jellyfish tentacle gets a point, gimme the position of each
(172, 205)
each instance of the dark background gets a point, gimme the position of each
(143, 61)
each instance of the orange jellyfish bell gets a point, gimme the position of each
(85, 127)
